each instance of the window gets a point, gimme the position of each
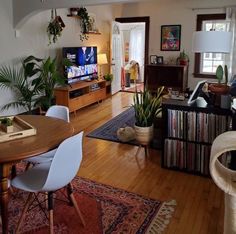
(206, 63)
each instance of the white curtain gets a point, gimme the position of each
(231, 17)
(136, 48)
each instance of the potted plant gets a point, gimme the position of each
(21, 81)
(48, 77)
(183, 58)
(220, 88)
(7, 124)
(146, 107)
(84, 23)
(55, 28)
(108, 77)
(74, 11)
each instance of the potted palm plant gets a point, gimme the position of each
(146, 106)
(21, 81)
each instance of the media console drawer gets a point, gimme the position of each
(81, 94)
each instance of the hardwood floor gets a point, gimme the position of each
(200, 203)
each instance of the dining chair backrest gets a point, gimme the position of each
(65, 163)
(60, 112)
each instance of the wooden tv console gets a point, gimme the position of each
(82, 94)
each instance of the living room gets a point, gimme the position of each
(199, 202)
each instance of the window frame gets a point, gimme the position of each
(197, 62)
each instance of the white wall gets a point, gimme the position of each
(33, 39)
(167, 12)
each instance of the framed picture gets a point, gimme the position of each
(170, 37)
(159, 59)
(153, 59)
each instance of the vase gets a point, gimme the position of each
(143, 135)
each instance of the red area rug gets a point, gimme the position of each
(105, 209)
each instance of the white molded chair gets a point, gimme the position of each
(57, 111)
(48, 176)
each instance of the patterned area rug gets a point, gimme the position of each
(105, 209)
(109, 129)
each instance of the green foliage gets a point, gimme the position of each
(33, 83)
(6, 121)
(55, 27)
(147, 107)
(183, 56)
(219, 73)
(48, 78)
(226, 74)
(17, 80)
(84, 23)
(108, 77)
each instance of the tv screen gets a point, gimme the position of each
(84, 61)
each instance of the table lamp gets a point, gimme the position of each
(102, 60)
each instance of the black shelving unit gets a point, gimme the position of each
(188, 134)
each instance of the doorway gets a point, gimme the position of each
(140, 28)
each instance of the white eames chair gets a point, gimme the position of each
(48, 176)
(57, 111)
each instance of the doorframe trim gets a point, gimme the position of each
(142, 19)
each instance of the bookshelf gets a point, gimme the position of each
(188, 135)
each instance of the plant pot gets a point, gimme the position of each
(143, 134)
(183, 62)
(219, 88)
(7, 129)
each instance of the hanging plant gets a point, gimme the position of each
(84, 23)
(55, 27)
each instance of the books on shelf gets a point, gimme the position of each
(196, 126)
(187, 156)
(189, 137)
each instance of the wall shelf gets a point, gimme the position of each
(89, 32)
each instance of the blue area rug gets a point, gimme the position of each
(109, 129)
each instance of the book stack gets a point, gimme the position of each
(189, 138)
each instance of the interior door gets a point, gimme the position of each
(116, 57)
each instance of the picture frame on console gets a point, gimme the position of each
(153, 59)
(170, 37)
(160, 59)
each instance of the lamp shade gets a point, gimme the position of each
(102, 59)
(211, 42)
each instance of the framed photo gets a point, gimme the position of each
(170, 37)
(159, 59)
(153, 59)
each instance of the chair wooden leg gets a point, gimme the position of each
(77, 208)
(50, 209)
(51, 221)
(72, 199)
(27, 203)
(28, 166)
(13, 171)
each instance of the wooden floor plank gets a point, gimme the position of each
(199, 202)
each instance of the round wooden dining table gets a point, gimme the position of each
(50, 132)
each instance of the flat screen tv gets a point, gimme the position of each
(84, 61)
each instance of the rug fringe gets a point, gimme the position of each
(162, 219)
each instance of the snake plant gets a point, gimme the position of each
(146, 106)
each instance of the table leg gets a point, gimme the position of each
(4, 172)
